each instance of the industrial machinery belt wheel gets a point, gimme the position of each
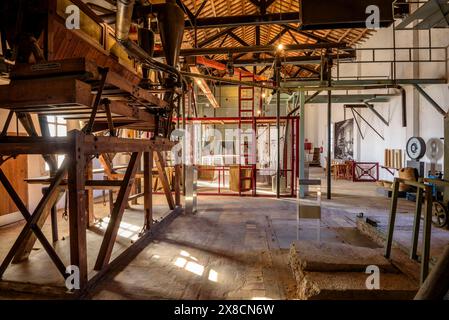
(439, 214)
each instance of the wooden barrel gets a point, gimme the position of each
(407, 174)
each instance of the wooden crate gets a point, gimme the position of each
(235, 174)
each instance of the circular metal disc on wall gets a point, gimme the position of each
(416, 148)
(435, 149)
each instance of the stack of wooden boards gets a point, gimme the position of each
(394, 158)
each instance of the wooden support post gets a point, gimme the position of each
(107, 107)
(416, 224)
(160, 163)
(147, 189)
(77, 206)
(116, 217)
(178, 185)
(90, 195)
(107, 167)
(89, 126)
(133, 192)
(54, 224)
(27, 122)
(31, 223)
(436, 285)
(7, 123)
(27, 246)
(111, 200)
(394, 206)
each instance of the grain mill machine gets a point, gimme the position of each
(64, 60)
(44, 39)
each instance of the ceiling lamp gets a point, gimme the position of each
(202, 84)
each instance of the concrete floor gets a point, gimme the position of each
(233, 248)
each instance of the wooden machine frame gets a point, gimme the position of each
(78, 147)
(95, 81)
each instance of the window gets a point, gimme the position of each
(58, 128)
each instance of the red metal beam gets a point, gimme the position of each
(220, 66)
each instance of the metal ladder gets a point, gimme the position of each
(246, 110)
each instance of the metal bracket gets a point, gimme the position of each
(430, 100)
(368, 123)
(371, 107)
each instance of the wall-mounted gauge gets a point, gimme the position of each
(416, 148)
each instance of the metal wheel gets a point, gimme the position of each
(439, 215)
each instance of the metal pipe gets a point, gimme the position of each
(346, 88)
(230, 81)
(329, 142)
(404, 105)
(278, 127)
(329, 131)
(123, 20)
(184, 140)
(295, 60)
(138, 53)
(302, 156)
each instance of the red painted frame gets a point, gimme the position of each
(294, 122)
(366, 172)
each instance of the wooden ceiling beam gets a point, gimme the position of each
(200, 9)
(278, 36)
(238, 39)
(344, 35)
(256, 3)
(263, 70)
(311, 70)
(293, 37)
(308, 34)
(187, 12)
(245, 20)
(216, 36)
(296, 73)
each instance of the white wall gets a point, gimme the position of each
(423, 120)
